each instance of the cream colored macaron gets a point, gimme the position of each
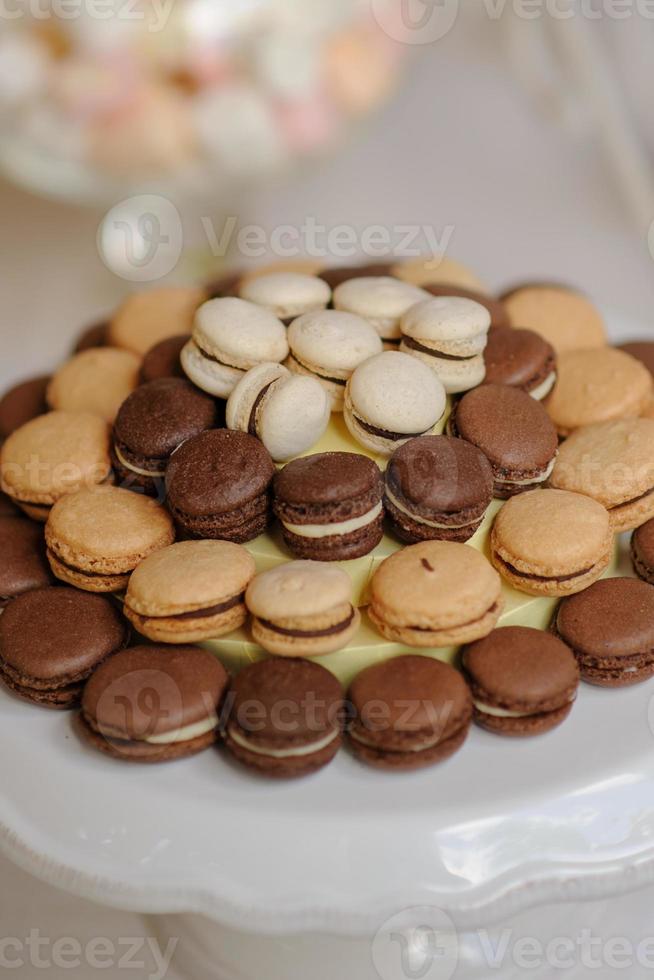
(148, 317)
(287, 294)
(432, 270)
(289, 413)
(302, 609)
(96, 381)
(449, 334)
(382, 300)
(329, 345)
(230, 336)
(390, 399)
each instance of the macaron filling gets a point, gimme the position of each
(154, 468)
(532, 576)
(422, 348)
(311, 634)
(387, 434)
(206, 612)
(317, 531)
(412, 742)
(256, 405)
(541, 389)
(187, 733)
(496, 711)
(322, 375)
(291, 752)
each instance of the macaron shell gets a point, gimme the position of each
(495, 307)
(537, 724)
(94, 336)
(334, 389)
(452, 319)
(409, 761)
(520, 358)
(142, 752)
(565, 318)
(381, 300)
(162, 629)
(436, 269)
(333, 342)
(163, 360)
(455, 376)
(303, 646)
(287, 294)
(24, 565)
(244, 396)
(298, 589)
(147, 317)
(96, 381)
(239, 333)
(293, 416)
(642, 551)
(216, 379)
(288, 768)
(22, 403)
(302, 266)
(395, 392)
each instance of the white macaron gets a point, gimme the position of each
(287, 294)
(390, 399)
(230, 336)
(382, 300)
(329, 345)
(449, 335)
(289, 413)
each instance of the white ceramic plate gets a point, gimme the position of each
(502, 825)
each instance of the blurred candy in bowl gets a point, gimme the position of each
(190, 94)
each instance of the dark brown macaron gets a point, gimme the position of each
(162, 360)
(330, 506)
(154, 703)
(8, 508)
(642, 350)
(343, 273)
(523, 681)
(513, 431)
(151, 424)
(22, 403)
(91, 337)
(437, 488)
(219, 486)
(409, 712)
(52, 639)
(24, 565)
(522, 359)
(642, 551)
(498, 315)
(285, 718)
(610, 629)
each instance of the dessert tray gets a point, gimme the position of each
(503, 825)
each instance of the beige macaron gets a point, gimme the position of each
(96, 381)
(597, 386)
(432, 270)
(551, 542)
(382, 300)
(435, 594)
(147, 317)
(96, 538)
(302, 266)
(302, 609)
(563, 316)
(287, 294)
(612, 462)
(190, 591)
(53, 455)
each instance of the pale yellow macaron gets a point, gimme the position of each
(96, 381)
(564, 317)
(147, 317)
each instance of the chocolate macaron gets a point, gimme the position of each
(151, 424)
(522, 359)
(154, 703)
(24, 565)
(610, 628)
(523, 681)
(219, 486)
(513, 431)
(286, 717)
(190, 591)
(22, 403)
(409, 712)
(163, 360)
(52, 639)
(92, 336)
(642, 551)
(437, 488)
(643, 351)
(330, 506)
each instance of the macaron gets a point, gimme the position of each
(642, 551)
(152, 423)
(522, 359)
(95, 335)
(51, 456)
(523, 681)
(286, 717)
(225, 285)
(230, 336)
(328, 345)
(7, 507)
(597, 386)
(154, 703)
(22, 403)
(330, 506)
(495, 307)
(336, 275)
(513, 431)
(391, 398)
(288, 412)
(97, 537)
(409, 712)
(551, 542)
(302, 609)
(96, 381)
(287, 294)
(429, 270)
(147, 317)
(163, 360)
(437, 488)
(300, 266)
(190, 591)
(382, 300)
(610, 628)
(564, 317)
(52, 639)
(24, 565)
(643, 351)
(611, 462)
(219, 486)
(448, 334)
(435, 594)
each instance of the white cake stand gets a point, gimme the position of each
(296, 880)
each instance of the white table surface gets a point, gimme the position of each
(461, 146)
